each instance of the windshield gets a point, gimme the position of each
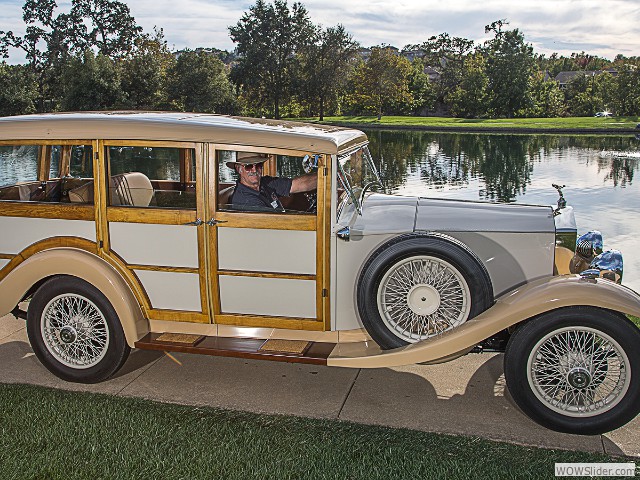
(357, 174)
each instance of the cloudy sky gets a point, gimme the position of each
(599, 27)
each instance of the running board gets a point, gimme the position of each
(315, 353)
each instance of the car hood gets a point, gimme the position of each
(386, 214)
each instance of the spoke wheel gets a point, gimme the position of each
(579, 372)
(422, 296)
(575, 369)
(417, 286)
(74, 331)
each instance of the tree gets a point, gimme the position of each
(326, 64)
(545, 98)
(199, 83)
(18, 90)
(51, 38)
(450, 53)
(106, 25)
(93, 83)
(421, 89)
(470, 98)
(268, 37)
(510, 63)
(382, 82)
(145, 73)
(627, 91)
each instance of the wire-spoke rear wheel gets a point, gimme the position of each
(74, 331)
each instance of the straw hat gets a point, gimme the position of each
(246, 158)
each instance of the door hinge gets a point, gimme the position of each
(325, 293)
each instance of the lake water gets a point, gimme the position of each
(598, 172)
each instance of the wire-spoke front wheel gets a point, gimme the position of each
(573, 369)
(74, 331)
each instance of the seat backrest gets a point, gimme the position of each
(225, 195)
(131, 189)
(82, 194)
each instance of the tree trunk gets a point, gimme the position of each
(321, 107)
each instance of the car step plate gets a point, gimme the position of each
(294, 351)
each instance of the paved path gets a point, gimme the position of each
(466, 396)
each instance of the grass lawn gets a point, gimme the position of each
(52, 434)
(569, 123)
(635, 320)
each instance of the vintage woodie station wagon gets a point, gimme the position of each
(119, 230)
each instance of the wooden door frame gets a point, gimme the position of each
(320, 223)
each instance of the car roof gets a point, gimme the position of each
(175, 126)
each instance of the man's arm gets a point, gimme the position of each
(304, 183)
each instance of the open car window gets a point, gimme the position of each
(266, 187)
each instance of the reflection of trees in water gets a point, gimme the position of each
(503, 162)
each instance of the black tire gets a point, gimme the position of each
(74, 351)
(551, 382)
(381, 276)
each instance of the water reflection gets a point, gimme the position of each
(598, 172)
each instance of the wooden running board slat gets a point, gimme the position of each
(316, 354)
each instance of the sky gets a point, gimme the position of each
(598, 27)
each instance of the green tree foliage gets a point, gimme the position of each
(18, 90)
(326, 63)
(510, 63)
(545, 98)
(422, 91)
(268, 37)
(470, 98)
(106, 25)
(51, 38)
(450, 54)
(145, 73)
(587, 94)
(626, 99)
(381, 84)
(93, 83)
(200, 84)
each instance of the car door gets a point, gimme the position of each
(153, 197)
(269, 268)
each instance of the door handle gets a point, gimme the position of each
(197, 223)
(213, 222)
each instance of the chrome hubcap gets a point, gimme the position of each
(423, 296)
(578, 371)
(74, 331)
(579, 377)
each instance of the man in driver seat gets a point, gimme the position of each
(262, 193)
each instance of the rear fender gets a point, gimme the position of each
(87, 266)
(523, 303)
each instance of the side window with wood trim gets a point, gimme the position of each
(152, 177)
(255, 182)
(46, 173)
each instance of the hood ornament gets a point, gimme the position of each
(562, 202)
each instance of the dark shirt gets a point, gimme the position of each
(245, 198)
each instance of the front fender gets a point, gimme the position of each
(520, 304)
(84, 265)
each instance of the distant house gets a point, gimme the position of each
(565, 78)
(434, 75)
(412, 55)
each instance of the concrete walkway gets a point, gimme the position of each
(465, 397)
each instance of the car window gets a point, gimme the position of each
(255, 182)
(155, 177)
(46, 173)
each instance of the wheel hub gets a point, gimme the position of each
(68, 334)
(423, 299)
(579, 377)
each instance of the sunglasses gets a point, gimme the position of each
(251, 166)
